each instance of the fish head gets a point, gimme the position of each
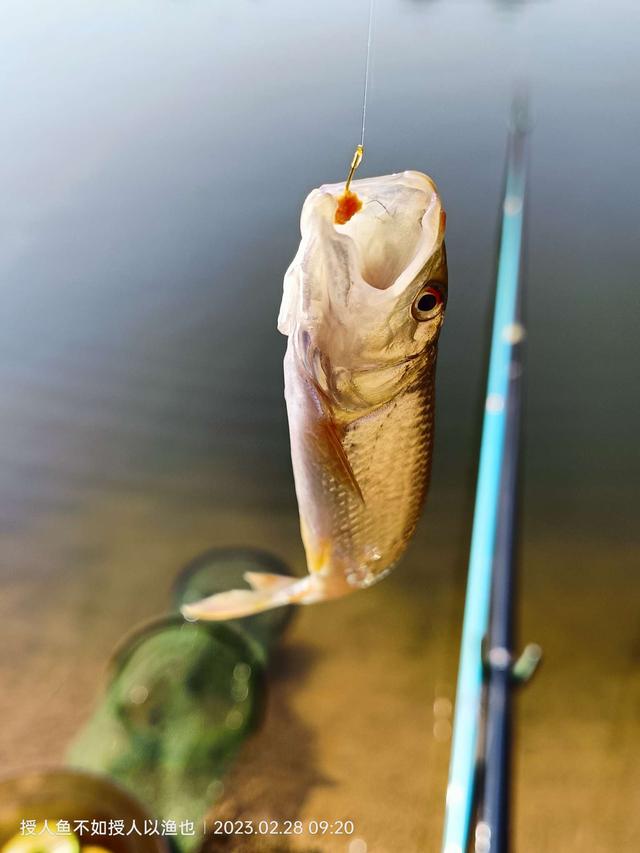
(364, 301)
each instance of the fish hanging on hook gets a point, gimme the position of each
(362, 308)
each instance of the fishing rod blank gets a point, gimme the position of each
(493, 831)
(491, 549)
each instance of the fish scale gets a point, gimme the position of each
(390, 453)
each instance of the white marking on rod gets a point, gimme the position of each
(513, 333)
(512, 205)
(495, 403)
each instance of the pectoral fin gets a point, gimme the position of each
(342, 466)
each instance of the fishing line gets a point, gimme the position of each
(366, 71)
(359, 152)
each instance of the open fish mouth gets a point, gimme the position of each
(391, 233)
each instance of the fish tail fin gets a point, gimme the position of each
(268, 591)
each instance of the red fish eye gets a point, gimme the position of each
(427, 303)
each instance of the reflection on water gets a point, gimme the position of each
(155, 156)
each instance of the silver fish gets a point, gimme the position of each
(362, 308)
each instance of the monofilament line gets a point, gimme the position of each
(366, 71)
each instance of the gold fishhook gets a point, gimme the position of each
(357, 159)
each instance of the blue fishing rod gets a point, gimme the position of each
(480, 768)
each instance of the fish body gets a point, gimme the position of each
(362, 308)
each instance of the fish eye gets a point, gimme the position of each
(428, 303)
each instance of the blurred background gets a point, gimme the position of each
(154, 156)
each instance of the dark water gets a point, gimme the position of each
(153, 160)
